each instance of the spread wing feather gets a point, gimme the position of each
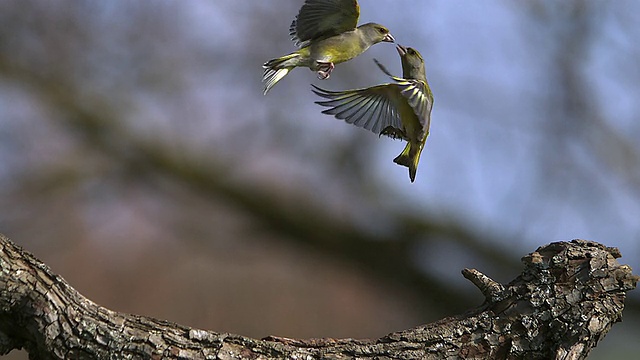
(370, 108)
(320, 19)
(375, 108)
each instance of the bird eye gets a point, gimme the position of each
(382, 30)
(411, 51)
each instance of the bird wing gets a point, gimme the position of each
(419, 97)
(320, 19)
(370, 108)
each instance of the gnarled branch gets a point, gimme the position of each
(567, 298)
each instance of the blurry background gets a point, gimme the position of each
(140, 160)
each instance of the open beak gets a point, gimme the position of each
(389, 38)
(401, 50)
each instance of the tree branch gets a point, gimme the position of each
(567, 298)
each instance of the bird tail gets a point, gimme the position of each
(276, 69)
(410, 157)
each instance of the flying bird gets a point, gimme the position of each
(400, 110)
(326, 33)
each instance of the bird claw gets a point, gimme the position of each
(323, 75)
(324, 70)
(393, 133)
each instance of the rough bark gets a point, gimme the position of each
(567, 298)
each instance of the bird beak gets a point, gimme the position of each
(389, 38)
(401, 50)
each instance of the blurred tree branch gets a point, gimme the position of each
(565, 301)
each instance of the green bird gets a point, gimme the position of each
(400, 110)
(326, 33)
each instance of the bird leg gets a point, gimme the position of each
(324, 69)
(393, 133)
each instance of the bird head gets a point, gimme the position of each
(376, 33)
(412, 63)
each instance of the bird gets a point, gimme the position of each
(400, 110)
(325, 32)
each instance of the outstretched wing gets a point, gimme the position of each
(319, 19)
(371, 108)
